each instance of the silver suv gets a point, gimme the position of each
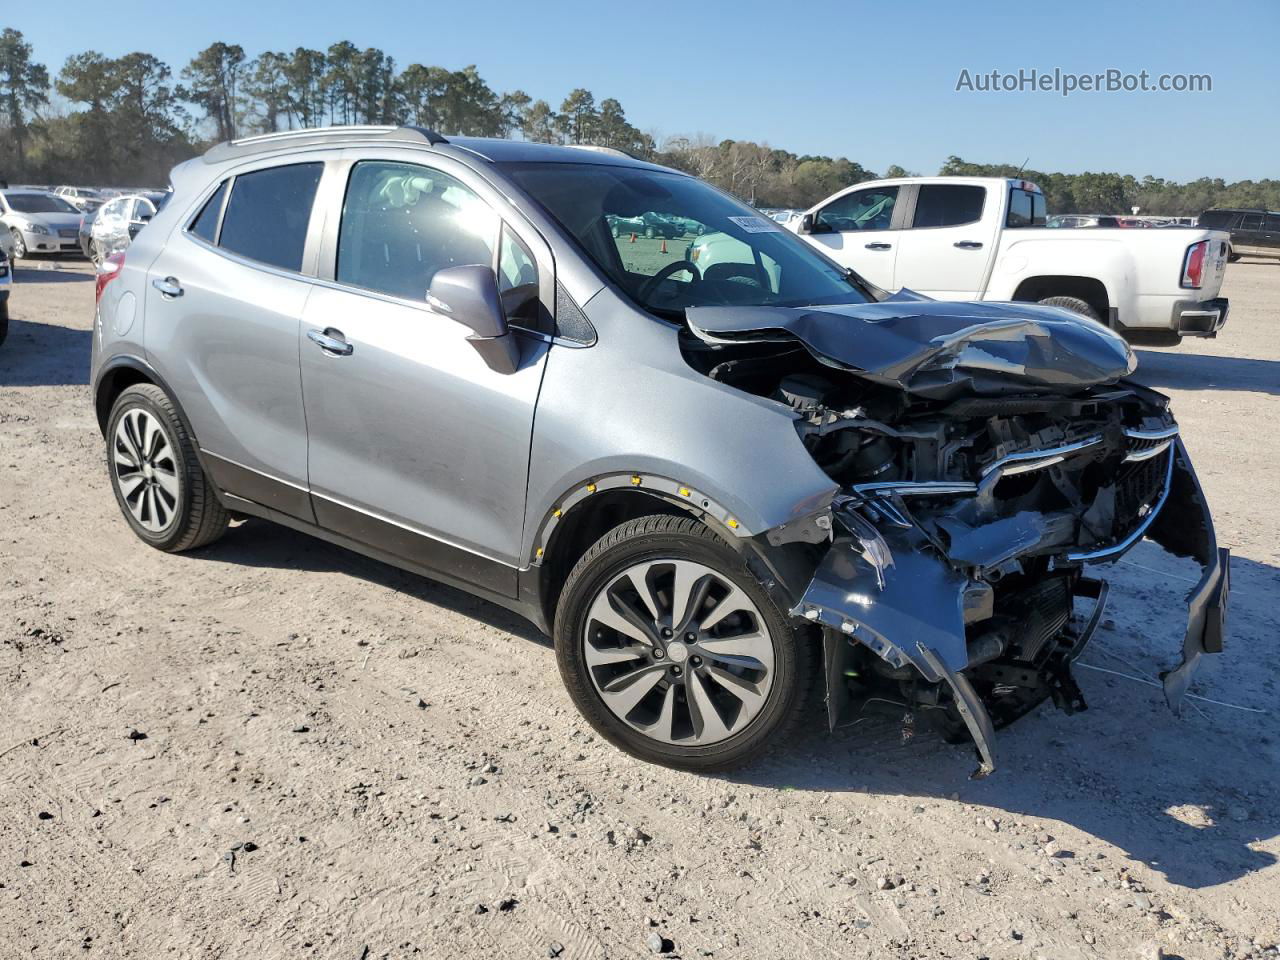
(712, 485)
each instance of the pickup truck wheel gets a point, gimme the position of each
(158, 482)
(674, 652)
(1232, 256)
(1074, 304)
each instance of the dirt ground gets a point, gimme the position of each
(273, 748)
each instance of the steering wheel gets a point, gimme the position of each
(669, 270)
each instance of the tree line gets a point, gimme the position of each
(125, 121)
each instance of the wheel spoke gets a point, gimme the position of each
(168, 483)
(123, 456)
(597, 657)
(688, 593)
(664, 727)
(734, 601)
(129, 486)
(749, 693)
(626, 691)
(707, 724)
(640, 580)
(745, 646)
(603, 611)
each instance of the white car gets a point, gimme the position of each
(39, 222)
(82, 198)
(984, 238)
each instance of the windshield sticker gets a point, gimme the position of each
(755, 224)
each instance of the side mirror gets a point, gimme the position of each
(470, 296)
(806, 223)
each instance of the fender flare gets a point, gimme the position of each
(702, 505)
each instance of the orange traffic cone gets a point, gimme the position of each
(633, 238)
(664, 245)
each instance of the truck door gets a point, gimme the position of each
(948, 243)
(859, 230)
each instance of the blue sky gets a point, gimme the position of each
(872, 81)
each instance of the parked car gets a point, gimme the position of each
(6, 287)
(944, 236)
(1254, 233)
(82, 198)
(646, 225)
(112, 228)
(1080, 220)
(39, 222)
(702, 483)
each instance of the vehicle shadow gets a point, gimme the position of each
(1187, 796)
(260, 543)
(1186, 371)
(51, 274)
(44, 354)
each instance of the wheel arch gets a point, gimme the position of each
(1089, 289)
(124, 371)
(586, 513)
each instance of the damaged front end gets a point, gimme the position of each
(980, 474)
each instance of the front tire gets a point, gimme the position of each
(674, 652)
(158, 482)
(19, 245)
(1074, 304)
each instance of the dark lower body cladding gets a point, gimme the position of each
(911, 631)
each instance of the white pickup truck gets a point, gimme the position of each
(984, 238)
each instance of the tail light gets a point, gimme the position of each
(109, 270)
(1193, 265)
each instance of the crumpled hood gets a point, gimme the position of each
(935, 348)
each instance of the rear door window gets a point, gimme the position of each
(1026, 209)
(1251, 221)
(268, 213)
(948, 205)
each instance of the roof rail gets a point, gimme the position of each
(312, 136)
(612, 151)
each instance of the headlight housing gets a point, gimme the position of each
(37, 228)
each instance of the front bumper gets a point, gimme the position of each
(1200, 318)
(889, 588)
(51, 242)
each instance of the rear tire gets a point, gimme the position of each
(158, 482)
(1232, 256)
(702, 713)
(1074, 304)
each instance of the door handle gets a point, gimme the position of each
(168, 287)
(968, 244)
(331, 341)
(879, 246)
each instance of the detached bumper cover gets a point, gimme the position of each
(893, 591)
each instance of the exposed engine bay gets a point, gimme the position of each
(952, 584)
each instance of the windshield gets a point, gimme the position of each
(671, 241)
(38, 203)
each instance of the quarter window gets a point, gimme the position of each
(205, 225)
(870, 209)
(1272, 223)
(402, 223)
(268, 213)
(948, 205)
